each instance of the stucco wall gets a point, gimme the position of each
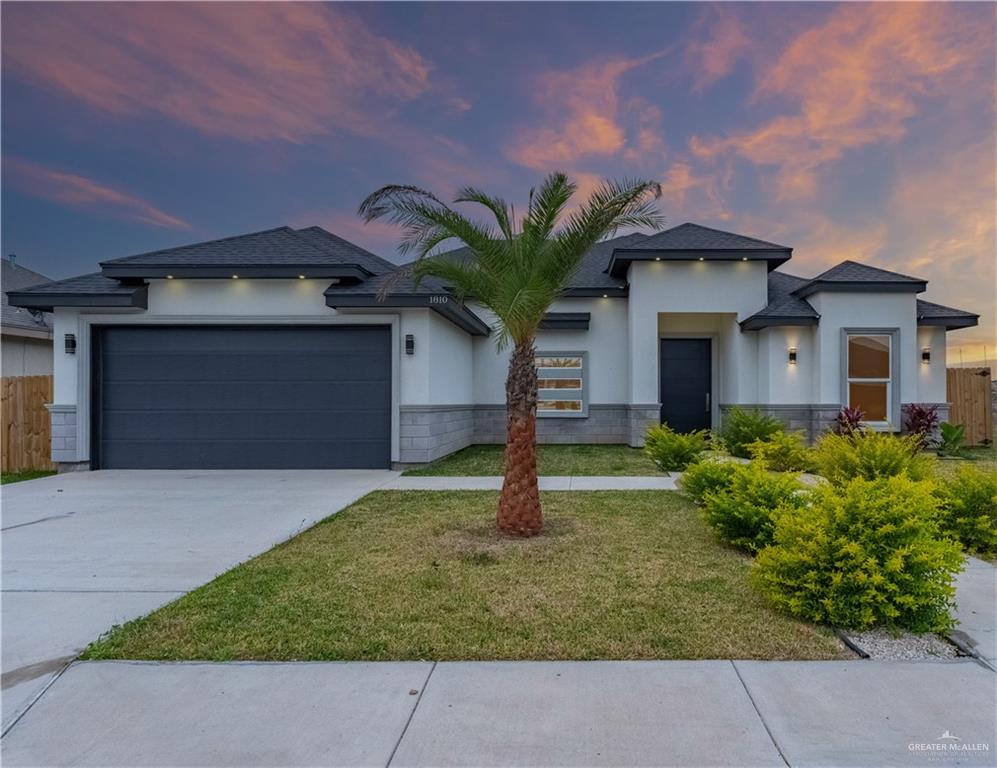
(605, 342)
(779, 381)
(931, 380)
(865, 310)
(20, 356)
(736, 289)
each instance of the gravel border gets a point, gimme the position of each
(881, 644)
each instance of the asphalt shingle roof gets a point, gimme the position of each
(14, 277)
(782, 305)
(695, 237)
(93, 284)
(591, 272)
(282, 246)
(853, 272)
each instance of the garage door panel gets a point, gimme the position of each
(243, 425)
(243, 397)
(249, 366)
(249, 455)
(278, 395)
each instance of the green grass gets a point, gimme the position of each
(983, 457)
(422, 575)
(551, 460)
(30, 474)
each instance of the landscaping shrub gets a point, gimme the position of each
(969, 509)
(866, 553)
(870, 455)
(741, 428)
(921, 421)
(709, 476)
(744, 513)
(783, 452)
(673, 451)
(848, 422)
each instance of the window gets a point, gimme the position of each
(561, 384)
(869, 380)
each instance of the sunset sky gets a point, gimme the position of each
(845, 131)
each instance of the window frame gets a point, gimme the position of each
(563, 394)
(892, 383)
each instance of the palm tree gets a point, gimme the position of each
(516, 270)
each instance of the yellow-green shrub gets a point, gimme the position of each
(742, 427)
(709, 476)
(871, 455)
(864, 553)
(969, 508)
(674, 451)
(783, 452)
(744, 513)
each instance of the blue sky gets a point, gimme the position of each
(846, 131)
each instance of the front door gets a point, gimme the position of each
(686, 383)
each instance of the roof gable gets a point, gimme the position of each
(783, 308)
(279, 252)
(851, 276)
(694, 242)
(696, 237)
(14, 277)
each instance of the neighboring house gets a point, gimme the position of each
(26, 340)
(296, 348)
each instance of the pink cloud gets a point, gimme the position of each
(718, 41)
(855, 80)
(80, 192)
(253, 71)
(586, 117)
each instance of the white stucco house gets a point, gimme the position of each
(25, 334)
(296, 348)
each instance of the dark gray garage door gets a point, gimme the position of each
(228, 397)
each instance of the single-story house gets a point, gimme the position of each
(295, 348)
(25, 334)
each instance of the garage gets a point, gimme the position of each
(241, 397)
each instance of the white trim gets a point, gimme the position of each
(892, 422)
(86, 321)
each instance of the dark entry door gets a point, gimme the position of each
(249, 397)
(686, 376)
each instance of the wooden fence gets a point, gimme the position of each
(969, 394)
(27, 428)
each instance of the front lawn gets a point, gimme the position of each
(982, 457)
(29, 474)
(422, 575)
(480, 460)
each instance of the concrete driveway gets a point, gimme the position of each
(87, 550)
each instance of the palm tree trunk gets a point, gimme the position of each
(519, 511)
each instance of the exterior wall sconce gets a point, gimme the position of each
(926, 355)
(70, 344)
(409, 344)
(792, 355)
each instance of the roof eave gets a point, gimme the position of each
(446, 306)
(950, 323)
(622, 257)
(756, 322)
(607, 292)
(566, 321)
(214, 271)
(860, 286)
(47, 302)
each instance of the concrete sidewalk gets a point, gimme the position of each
(599, 713)
(547, 483)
